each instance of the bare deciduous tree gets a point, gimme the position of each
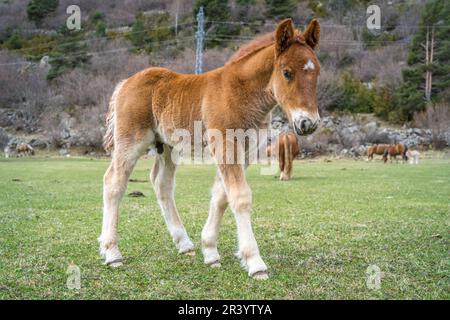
(437, 119)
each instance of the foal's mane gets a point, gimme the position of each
(259, 43)
(252, 46)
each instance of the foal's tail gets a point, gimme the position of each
(108, 138)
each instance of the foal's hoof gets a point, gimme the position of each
(186, 247)
(113, 258)
(215, 264)
(260, 275)
(115, 264)
(189, 253)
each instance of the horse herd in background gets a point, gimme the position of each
(393, 150)
(288, 150)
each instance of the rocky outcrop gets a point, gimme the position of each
(349, 136)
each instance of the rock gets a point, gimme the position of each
(63, 152)
(351, 136)
(43, 63)
(361, 150)
(39, 144)
(65, 133)
(370, 128)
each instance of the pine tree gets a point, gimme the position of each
(280, 9)
(412, 95)
(38, 9)
(69, 54)
(13, 42)
(137, 35)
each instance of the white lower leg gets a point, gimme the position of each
(209, 246)
(248, 248)
(181, 239)
(239, 197)
(109, 249)
(210, 232)
(113, 189)
(163, 181)
(115, 183)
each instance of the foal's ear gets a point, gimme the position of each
(284, 35)
(312, 33)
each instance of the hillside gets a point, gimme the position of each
(55, 83)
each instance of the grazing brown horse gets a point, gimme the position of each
(376, 149)
(395, 150)
(288, 150)
(147, 108)
(24, 149)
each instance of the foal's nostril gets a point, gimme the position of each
(304, 126)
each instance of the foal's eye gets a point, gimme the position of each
(287, 74)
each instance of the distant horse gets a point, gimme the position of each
(147, 108)
(376, 149)
(288, 150)
(413, 156)
(24, 149)
(8, 151)
(395, 150)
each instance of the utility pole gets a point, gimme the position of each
(177, 8)
(200, 37)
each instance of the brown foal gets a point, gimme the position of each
(147, 108)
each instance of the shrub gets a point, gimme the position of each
(147, 33)
(36, 46)
(13, 42)
(328, 90)
(357, 96)
(437, 119)
(384, 105)
(38, 9)
(68, 55)
(374, 40)
(100, 29)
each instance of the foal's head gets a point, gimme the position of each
(294, 79)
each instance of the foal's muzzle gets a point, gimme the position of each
(304, 125)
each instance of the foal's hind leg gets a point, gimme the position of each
(163, 180)
(210, 231)
(115, 181)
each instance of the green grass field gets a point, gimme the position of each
(317, 233)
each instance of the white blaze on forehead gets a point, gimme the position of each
(309, 65)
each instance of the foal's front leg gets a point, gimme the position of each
(240, 201)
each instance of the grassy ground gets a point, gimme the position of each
(318, 233)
